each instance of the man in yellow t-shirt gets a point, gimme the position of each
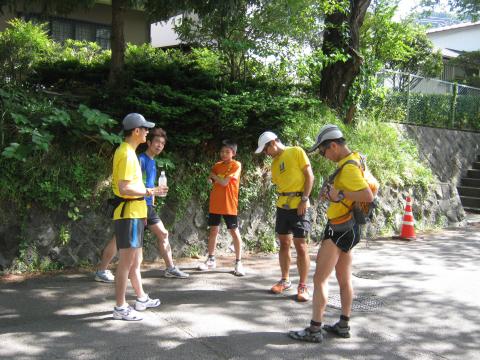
(293, 177)
(336, 250)
(130, 217)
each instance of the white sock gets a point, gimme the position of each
(123, 307)
(144, 298)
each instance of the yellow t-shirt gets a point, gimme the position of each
(127, 167)
(350, 178)
(288, 176)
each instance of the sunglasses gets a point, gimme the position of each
(323, 149)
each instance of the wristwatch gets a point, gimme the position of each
(304, 198)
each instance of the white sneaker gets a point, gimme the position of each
(104, 276)
(239, 270)
(148, 303)
(209, 264)
(175, 272)
(127, 314)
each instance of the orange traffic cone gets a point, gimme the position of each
(408, 230)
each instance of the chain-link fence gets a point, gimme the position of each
(417, 100)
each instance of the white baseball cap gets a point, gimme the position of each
(327, 132)
(264, 139)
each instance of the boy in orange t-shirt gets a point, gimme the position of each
(225, 176)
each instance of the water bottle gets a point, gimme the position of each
(162, 181)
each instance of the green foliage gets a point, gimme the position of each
(22, 46)
(184, 112)
(183, 189)
(388, 44)
(192, 251)
(392, 159)
(64, 235)
(33, 121)
(264, 242)
(470, 62)
(402, 46)
(57, 179)
(465, 9)
(29, 260)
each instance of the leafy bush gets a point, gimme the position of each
(392, 159)
(58, 179)
(22, 46)
(31, 122)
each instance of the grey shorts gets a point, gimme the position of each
(129, 233)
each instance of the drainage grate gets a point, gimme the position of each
(361, 303)
(369, 274)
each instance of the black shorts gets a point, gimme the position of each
(129, 233)
(152, 216)
(230, 220)
(345, 240)
(289, 222)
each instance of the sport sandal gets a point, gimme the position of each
(336, 329)
(307, 335)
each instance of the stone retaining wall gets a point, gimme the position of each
(448, 152)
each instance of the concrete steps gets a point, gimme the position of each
(469, 189)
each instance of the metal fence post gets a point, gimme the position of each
(408, 97)
(454, 103)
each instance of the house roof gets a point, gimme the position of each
(454, 27)
(450, 53)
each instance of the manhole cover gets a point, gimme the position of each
(361, 303)
(369, 274)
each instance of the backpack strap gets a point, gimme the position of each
(332, 177)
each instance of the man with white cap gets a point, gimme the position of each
(293, 177)
(130, 217)
(340, 236)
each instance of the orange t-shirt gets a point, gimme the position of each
(224, 199)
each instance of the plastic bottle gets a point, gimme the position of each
(162, 181)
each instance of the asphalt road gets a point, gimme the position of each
(414, 300)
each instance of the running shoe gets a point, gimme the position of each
(148, 303)
(281, 286)
(207, 265)
(127, 314)
(104, 276)
(302, 293)
(239, 269)
(175, 272)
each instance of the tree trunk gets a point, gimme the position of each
(115, 78)
(342, 34)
